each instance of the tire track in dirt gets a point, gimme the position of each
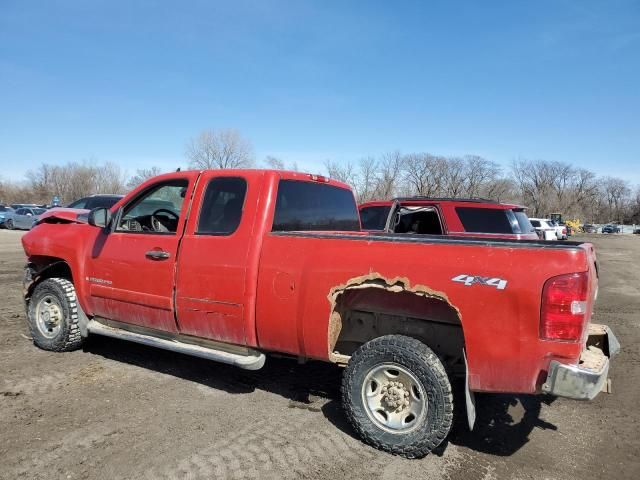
(261, 451)
(72, 446)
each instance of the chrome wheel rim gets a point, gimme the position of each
(49, 316)
(394, 398)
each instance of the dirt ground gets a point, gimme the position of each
(118, 410)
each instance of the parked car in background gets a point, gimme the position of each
(23, 218)
(5, 211)
(466, 217)
(95, 201)
(611, 229)
(545, 230)
(588, 228)
(561, 230)
(16, 206)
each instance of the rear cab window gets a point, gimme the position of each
(309, 206)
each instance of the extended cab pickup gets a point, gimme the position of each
(232, 265)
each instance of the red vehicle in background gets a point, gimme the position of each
(466, 217)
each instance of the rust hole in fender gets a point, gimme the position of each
(372, 305)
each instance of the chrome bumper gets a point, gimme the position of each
(585, 380)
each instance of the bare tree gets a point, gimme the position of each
(274, 163)
(278, 164)
(224, 148)
(367, 180)
(479, 173)
(343, 172)
(424, 174)
(74, 180)
(500, 189)
(390, 168)
(142, 175)
(455, 177)
(534, 179)
(109, 178)
(616, 193)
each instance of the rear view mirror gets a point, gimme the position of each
(99, 217)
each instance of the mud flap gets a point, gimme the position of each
(470, 399)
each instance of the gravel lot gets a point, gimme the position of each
(120, 410)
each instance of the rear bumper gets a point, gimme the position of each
(585, 380)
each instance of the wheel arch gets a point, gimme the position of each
(40, 268)
(371, 306)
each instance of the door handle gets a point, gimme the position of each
(157, 255)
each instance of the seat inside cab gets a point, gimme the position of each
(418, 220)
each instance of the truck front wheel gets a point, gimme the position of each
(52, 314)
(397, 396)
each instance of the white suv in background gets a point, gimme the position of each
(545, 230)
(561, 230)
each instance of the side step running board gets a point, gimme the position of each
(248, 362)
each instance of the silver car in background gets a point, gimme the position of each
(5, 211)
(23, 218)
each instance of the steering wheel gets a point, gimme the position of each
(157, 224)
(165, 210)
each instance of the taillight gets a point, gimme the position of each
(564, 307)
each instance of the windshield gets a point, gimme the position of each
(78, 203)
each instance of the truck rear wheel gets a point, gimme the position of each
(52, 314)
(397, 396)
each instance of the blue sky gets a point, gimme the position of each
(308, 81)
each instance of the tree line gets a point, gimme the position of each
(543, 186)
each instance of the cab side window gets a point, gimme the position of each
(156, 210)
(221, 209)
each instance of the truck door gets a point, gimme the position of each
(131, 269)
(212, 268)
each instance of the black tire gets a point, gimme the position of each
(9, 224)
(65, 336)
(414, 356)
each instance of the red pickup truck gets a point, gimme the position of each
(232, 265)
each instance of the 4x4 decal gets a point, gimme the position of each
(469, 280)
